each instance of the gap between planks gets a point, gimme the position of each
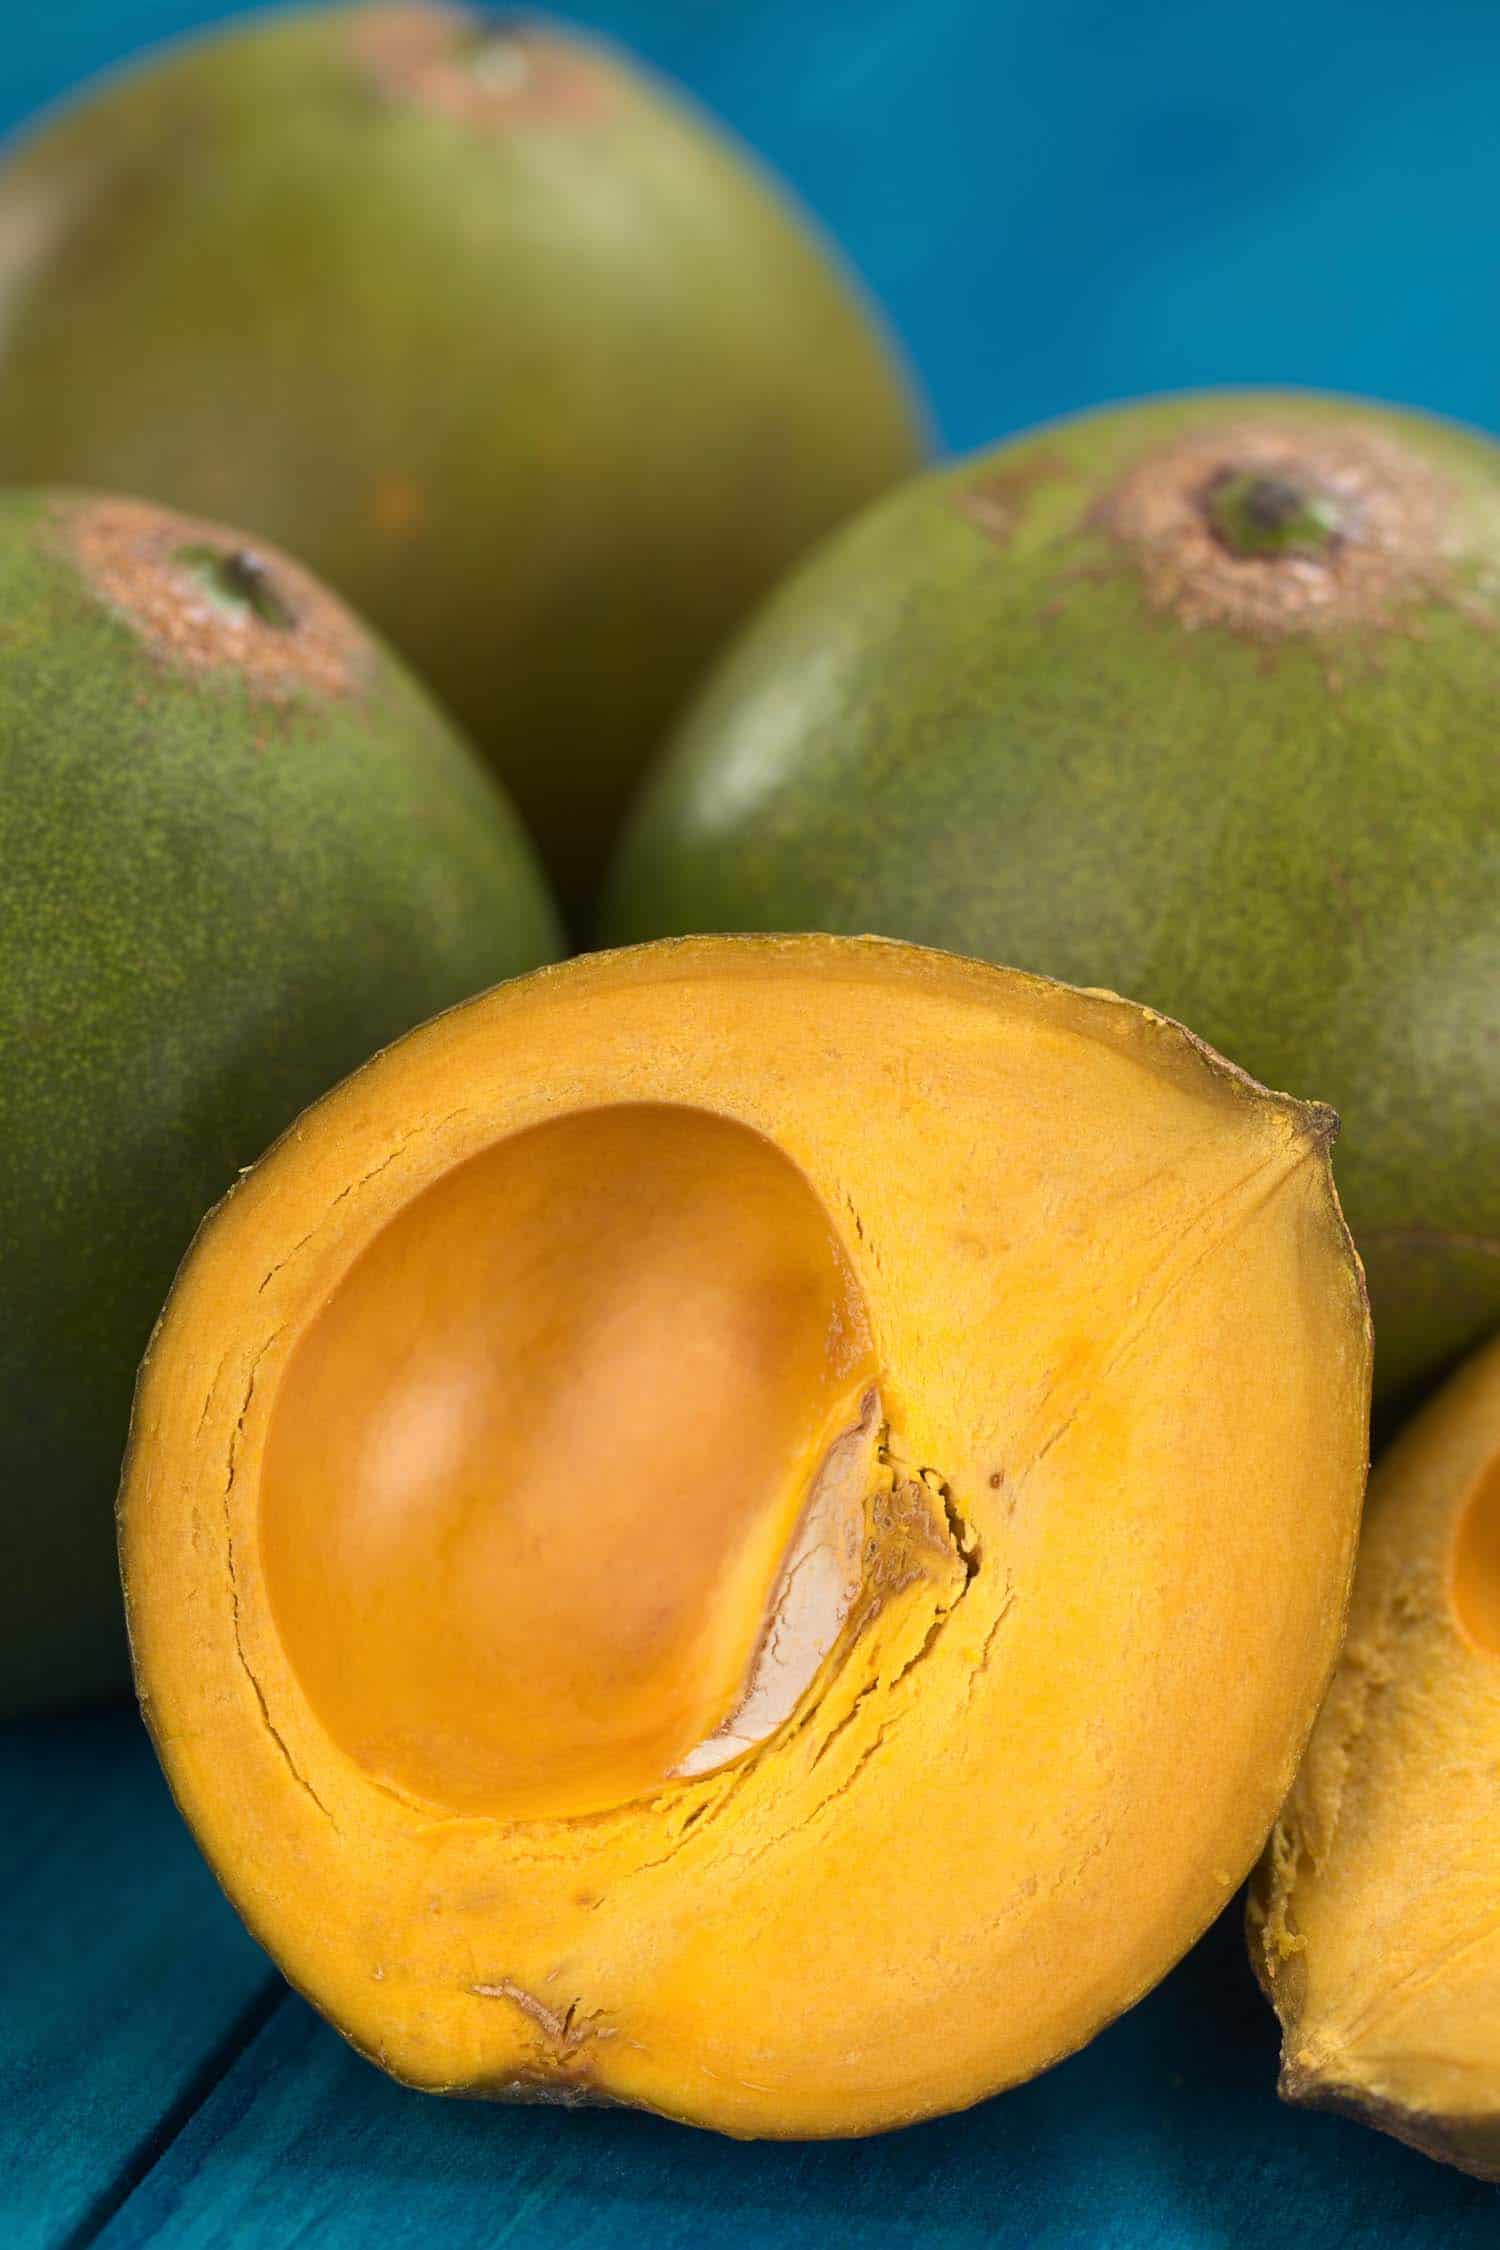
(242, 2033)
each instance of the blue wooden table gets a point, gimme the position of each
(158, 2085)
(1060, 203)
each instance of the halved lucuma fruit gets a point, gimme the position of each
(753, 1526)
(1375, 1917)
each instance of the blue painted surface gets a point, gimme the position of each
(1059, 204)
(1164, 2133)
(148, 2094)
(124, 1977)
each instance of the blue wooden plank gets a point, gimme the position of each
(125, 1980)
(1165, 2133)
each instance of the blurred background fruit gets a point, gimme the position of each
(516, 350)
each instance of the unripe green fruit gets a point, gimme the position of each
(241, 850)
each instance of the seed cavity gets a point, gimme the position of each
(606, 1498)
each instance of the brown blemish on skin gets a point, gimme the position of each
(1349, 904)
(480, 73)
(998, 501)
(398, 505)
(1389, 555)
(204, 599)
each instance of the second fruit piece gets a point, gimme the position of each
(1375, 1923)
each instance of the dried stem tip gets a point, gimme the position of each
(1253, 514)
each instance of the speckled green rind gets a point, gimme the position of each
(213, 906)
(972, 729)
(552, 399)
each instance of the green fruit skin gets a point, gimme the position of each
(552, 402)
(996, 744)
(213, 907)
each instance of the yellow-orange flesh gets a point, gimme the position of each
(1476, 1564)
(532, 1469)
(1375, 1918)
(752, 1527)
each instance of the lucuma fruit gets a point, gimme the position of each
(752, 1527)
(500, 338)
(241, 848)
(1375, 1916)
(1197, 700)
